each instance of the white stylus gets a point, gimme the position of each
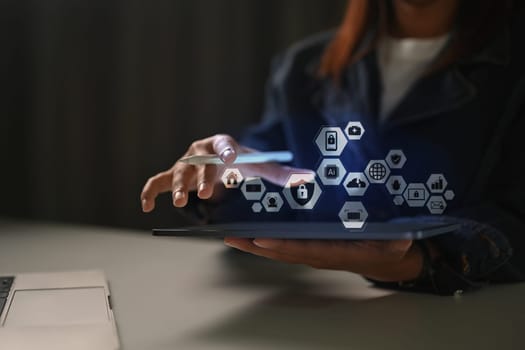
(243, 158)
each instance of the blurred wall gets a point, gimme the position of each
(98, 95)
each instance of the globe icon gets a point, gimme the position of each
(377, 171)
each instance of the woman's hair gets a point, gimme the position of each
(476, 23)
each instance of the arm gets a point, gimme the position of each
(191, 184)
(490, 246)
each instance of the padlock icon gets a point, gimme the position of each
(331, 140)
(416, 194)
(302, 192)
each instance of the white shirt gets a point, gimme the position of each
(401, 64)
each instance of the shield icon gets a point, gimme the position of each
(302, 191)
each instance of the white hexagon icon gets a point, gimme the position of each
(399, 200)
(253, 188)
(450, 195)
(302, 191)
(437, 183)
(354, 130)
(356, 184)
(396, 185)
(232, 178)
(273, 202)
(257, 207)
(416, 195)
(437, 205)
(396, 159)
(331, 172)
(377, 171)
(353, 215)
(331, 141)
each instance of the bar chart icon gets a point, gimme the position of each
(437, 183)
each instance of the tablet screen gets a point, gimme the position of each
(313, 230)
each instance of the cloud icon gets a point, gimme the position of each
(356, 183)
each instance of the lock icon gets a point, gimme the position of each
(416, 194)
(302, 192)
(331, 140)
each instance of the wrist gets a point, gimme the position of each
(418, 261)
(428, 254)
(413, 264)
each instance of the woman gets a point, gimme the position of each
(442, 79)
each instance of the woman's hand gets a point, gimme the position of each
(182, 178)
(387, 261)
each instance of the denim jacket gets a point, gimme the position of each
(467, 122)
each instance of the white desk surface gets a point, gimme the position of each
(179, 293)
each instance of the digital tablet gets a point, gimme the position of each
(313, 230)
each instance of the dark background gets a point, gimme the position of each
(98, 95)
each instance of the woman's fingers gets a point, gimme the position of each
(355, 256)
(206, 176)
(392, 248)
(183, 181)
(247, 245)
(225, 147)
(329, 253)
(153, 187)
(182, 178)
(203, 177)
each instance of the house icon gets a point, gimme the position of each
(232, 179)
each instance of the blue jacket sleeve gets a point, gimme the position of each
(490, 245)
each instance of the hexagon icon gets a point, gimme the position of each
(273, 202)
(437, 183)
(450, 195)
(302, 191)
(232, 178)
(331, 141)
(377, 171)
(399, 200)
(354, 130)
(356, 184)
(257, 207)
(437, 205)
(353, 215)
(396, 159)
(416, 195)
(331, 172)
(396, 185)
(253, 188)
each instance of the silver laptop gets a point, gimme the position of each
(65, 310)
